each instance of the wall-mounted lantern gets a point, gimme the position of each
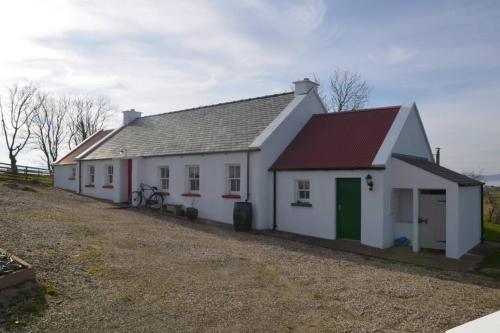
(123, 153)
(369, 181)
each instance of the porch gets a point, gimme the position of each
(434, 207)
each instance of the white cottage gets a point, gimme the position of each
(66, 170)
(367, 174)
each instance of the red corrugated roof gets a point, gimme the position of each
(70, 157)
(339, 140)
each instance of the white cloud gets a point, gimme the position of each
(158, 56)
(152, 55)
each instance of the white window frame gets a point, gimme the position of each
(91, 174)
(302, 185)
(232, 178)
(189, 179)
(162, 179)
(108, 180)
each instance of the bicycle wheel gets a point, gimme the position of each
(136, 198)
(155, 200)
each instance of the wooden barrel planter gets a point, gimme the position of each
(191, 213)
(242, 216)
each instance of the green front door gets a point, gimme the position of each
(349, 208)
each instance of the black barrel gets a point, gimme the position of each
(242, 216)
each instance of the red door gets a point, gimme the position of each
(129, 180)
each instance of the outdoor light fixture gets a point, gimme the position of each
(123, 152)
(369, 181)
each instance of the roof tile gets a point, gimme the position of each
(339, 140)
(222, 127)
(438, 170)
(70, 157)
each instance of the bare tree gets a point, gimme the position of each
(87, 116)
(48, 127)
(345, 91)
(23, 102)
(476, 175)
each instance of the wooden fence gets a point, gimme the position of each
(26, 173)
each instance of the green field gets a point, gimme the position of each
(492, 232)
(44, 180)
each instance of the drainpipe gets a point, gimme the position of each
(79, 177)
(248, 176)
(482, 213)
(274, 200)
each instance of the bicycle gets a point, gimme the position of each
(154, 200)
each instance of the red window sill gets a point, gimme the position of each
(191, 194)
(71, 178)
(165, 193)
(89, 185)
(231, 196)
(107, 186)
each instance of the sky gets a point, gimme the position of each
(160, 56)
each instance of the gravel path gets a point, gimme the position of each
(132, 271)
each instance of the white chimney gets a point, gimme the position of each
(129, 116)
(304, 86)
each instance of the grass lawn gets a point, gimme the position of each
(44, 180)
(492, 232)
(492, 261)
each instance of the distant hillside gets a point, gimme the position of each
(492, 178)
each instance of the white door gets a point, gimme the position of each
(432, 220)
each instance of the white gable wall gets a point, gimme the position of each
(272, 142)
(412, 139)
(62, 177)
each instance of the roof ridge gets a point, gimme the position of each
(218, 104)
(357, 111)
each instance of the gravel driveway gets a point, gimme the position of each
(133, 271)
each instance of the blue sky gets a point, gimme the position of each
(157, 56)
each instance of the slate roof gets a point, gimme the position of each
(223, 127)
(70, 157)
(438, 170)
(338, 140)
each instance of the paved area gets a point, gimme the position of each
(425, 258)
(128, 270)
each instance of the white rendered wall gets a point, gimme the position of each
(470, 217)
(100, 171)
(272, 143)
(320, 219)
(62, 175)
(213, 181)
(401, 212)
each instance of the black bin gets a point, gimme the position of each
(242, 216)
